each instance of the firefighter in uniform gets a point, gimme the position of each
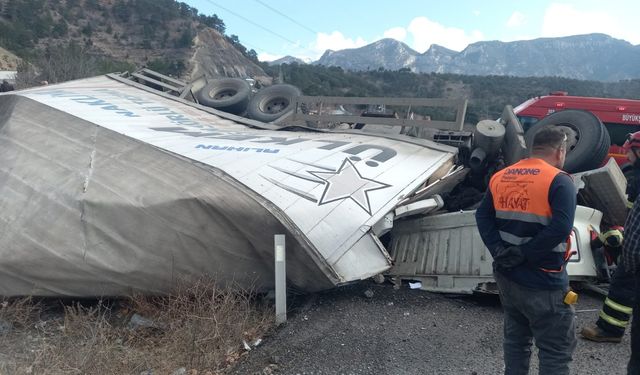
(525, 221)
(632, 149)
(617, 309)
(618, 306)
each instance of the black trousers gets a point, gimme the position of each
(615, 313)
(634, 363)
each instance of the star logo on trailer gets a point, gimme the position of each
(340, 185)
(343, 183)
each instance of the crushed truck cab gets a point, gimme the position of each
(446, 253)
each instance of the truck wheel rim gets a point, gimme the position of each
(223, 94)
(274, 105)
(573, 136)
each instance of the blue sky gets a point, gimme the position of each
(305, 29)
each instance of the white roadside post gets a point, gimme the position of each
(281, 278)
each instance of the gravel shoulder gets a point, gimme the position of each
(343, 331)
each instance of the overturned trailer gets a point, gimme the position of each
(108, 187)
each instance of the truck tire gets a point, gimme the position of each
(272, 102)
(588, 138)
(606, 144)
(227, 94)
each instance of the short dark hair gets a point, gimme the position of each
(549, 137)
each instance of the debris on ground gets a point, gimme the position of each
(378, 279)
(138, 321)
(5, 327)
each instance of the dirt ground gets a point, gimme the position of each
(344, 331)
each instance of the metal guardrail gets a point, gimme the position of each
(323, 103)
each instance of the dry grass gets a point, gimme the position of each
(21, 312)
(199, 327)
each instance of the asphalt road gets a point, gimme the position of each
(343, 331)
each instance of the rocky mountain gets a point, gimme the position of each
(435, 59)
(387, 53)
(286, 60)
(592, 56)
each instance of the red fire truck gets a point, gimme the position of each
(619, 116)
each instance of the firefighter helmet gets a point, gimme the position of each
(613, 237)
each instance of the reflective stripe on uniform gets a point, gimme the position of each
(513, 239)
(561, 248)
(618, 307)
(517, 241)
(613, 321)
(523, 216)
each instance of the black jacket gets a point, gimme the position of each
(633, 183)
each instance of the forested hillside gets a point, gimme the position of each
(487, 94)
(105, 35)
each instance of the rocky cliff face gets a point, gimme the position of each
(213, 56)
(593, 56)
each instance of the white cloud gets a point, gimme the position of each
(397, 33)
(426, 32)
(335, 41)
(517, 19)
(266, 56)
(476, 13)
(311, 52)
(565, 20)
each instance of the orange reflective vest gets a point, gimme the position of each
(521, 200)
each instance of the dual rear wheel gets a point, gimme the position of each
(233, 95)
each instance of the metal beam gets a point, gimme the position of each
(163, 77)
(319, 102)
(448, 125)
(422, 102)
(155, 81)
